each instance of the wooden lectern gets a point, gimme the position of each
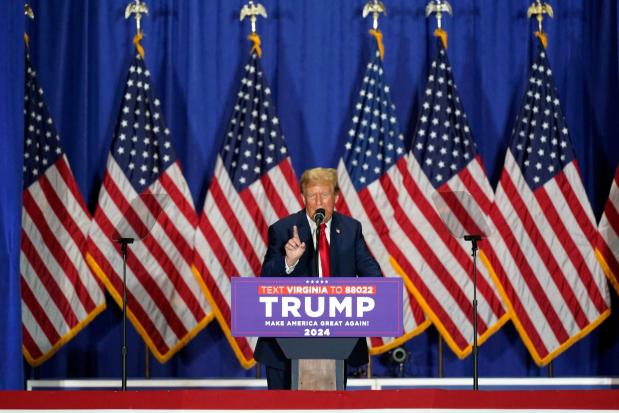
(317, 363)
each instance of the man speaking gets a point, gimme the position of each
(292, 252)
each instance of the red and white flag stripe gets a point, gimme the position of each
(164, 299)
(543, 255)
(608, 228)
(231, 239)
(437, 264)
(59, 293)
(373, 207)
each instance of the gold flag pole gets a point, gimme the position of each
(137, 8)
(438, 7)
(376, 8)
(30, 14)
(538, 10)
(252, 11)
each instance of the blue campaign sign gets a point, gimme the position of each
(314, 307)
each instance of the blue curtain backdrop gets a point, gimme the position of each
(314, 52)
(11, 154)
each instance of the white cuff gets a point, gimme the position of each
(290, 268)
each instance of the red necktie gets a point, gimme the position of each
(323, 250)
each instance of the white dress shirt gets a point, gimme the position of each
(313, 226)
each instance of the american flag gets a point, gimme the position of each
(543, 253)
(443, 161)
(143, 186)
(369, 176)
(253, 186)
(608, 228)
(59, 294)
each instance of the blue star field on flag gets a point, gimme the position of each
(442, 144)
(540, 142)
(375, 142)
(142, 145)
(254, 141)
(42, 143)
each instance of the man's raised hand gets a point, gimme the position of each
(294, 248)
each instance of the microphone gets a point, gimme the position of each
(319, 216)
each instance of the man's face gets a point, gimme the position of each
(318, 195)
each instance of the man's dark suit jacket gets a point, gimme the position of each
(349, 256)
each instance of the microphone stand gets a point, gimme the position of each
(474, 239)
(319, 216)
(123, 351)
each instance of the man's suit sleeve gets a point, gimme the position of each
(273, 265)
(366, 265)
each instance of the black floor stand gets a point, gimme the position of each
(123, 351)
(474, 239)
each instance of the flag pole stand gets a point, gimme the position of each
(124, 242)
(550, 370)
(474, 239)
(146, 362)
(439, 356)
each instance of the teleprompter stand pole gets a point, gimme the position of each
(124, 242)
(474, 239)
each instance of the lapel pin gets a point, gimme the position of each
(337, 230)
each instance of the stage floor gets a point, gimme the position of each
(433, 400)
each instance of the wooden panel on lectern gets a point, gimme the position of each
(317, 374)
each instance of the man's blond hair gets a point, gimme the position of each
(325, 176)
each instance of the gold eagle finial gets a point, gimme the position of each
(439, 7)
(376, 8)
(138, 8)
(538, 10)
(252, 10)
(28, 11)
